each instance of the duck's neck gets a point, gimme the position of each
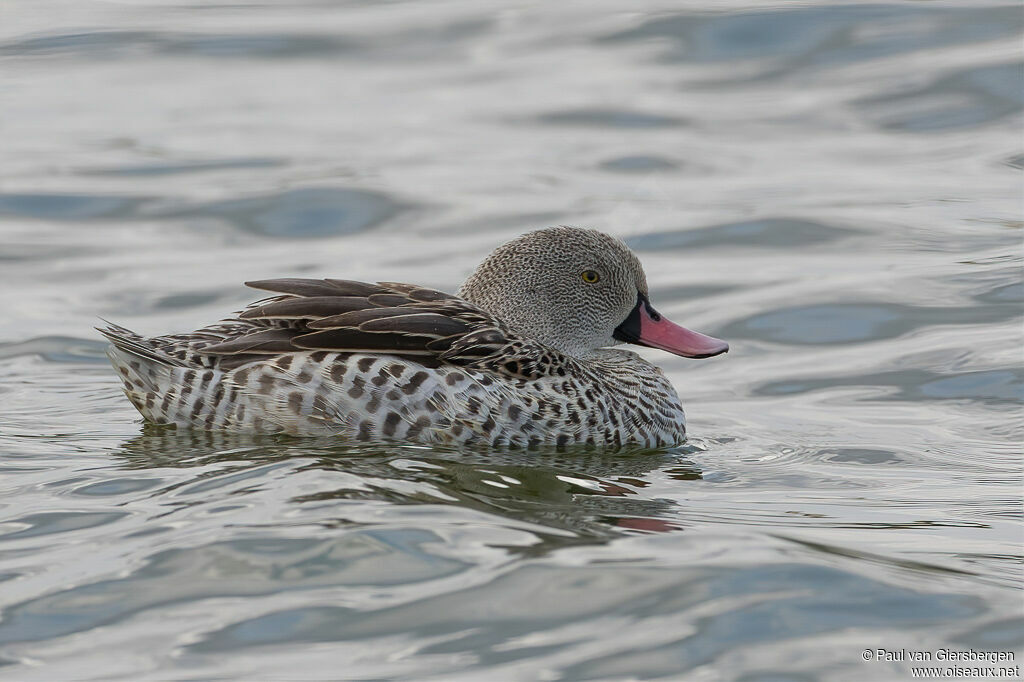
(533, 321)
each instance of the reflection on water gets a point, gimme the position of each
(149, 169)
(639, 164)
(108, 44)
(832, 188)
(611, 118)
(304, 213)
(777, 233)
(542, 488)
(544, 600)
(961, 99)
(824, 36)
(69, 207)
(293, 214)
(858, 322)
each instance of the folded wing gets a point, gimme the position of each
(346, 316)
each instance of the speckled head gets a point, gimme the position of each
(577, 290)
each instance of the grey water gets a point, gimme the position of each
(832, 187)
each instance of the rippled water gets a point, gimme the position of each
(833, 188)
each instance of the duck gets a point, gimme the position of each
(526, 355)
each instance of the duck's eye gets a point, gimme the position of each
(591, 276)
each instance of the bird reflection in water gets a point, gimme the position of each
(571, 498)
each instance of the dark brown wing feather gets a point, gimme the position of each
(429, 324)
(347, 316)
(304, 308)
(356, 341)
(356, 318)
(421, 294)
(388, 300)
(350, 287)
(299, 287)
(268, 341)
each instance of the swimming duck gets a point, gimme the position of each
(521, 357)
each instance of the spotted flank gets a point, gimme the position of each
(393, 362)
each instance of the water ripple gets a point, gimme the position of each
(832, 188)
(963, 99)
(770, 233)
(813, 37)
(845, 323)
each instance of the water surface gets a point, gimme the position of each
(833, 188)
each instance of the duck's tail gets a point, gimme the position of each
(137, 345)
(167, 389)
(152, 379)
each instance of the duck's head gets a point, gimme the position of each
(577, 290)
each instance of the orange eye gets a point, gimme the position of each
(591, 277)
